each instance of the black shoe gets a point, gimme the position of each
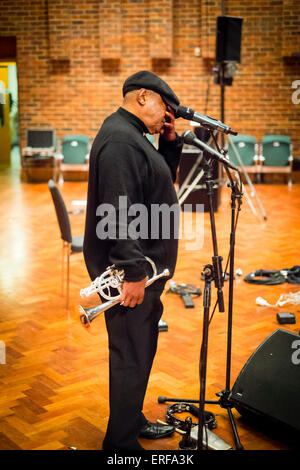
(156, 430)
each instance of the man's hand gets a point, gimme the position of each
(168, 130)
(133, 293)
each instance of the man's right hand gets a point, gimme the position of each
(133, 293)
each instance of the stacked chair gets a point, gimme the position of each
(276, 155)
(272, 155)
(247, 149)
(43, 158)
(74, 158)
(38, 158)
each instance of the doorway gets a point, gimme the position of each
(9, 128)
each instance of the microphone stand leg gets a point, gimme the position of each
(208, 275)
(238, 444)
(225, 403)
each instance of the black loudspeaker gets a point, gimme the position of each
(268, 387)
(228, 41)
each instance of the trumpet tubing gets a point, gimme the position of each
(89, 314)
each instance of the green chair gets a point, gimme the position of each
(74, 156)
(276, 155)
(246, 147)
(75, 149)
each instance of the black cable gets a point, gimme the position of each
(274, 277)
(265, 277)
(293, 275)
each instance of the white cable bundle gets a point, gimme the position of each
(291, 297)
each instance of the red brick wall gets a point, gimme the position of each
(74, 55)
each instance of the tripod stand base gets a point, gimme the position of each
(223, 402)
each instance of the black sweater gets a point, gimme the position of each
(124, 163)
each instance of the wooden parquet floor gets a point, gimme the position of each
(54, 385)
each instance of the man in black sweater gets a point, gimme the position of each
(126, 173)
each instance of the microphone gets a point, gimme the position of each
(205, 121)
(190, 139)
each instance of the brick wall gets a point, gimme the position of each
(74, 55)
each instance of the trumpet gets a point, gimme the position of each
(111, 278)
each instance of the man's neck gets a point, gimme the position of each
(135, 119)
(132, 109)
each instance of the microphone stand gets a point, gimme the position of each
(213, 272)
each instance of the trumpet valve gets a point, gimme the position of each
(86, 292)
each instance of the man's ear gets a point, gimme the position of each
(141, 96)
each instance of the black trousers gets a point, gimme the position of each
(132, 336)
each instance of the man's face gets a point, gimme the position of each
(154, 112)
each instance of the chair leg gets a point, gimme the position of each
(68, 274)
(60, 178)
(55, 174)
(258, 179)
(258, 174)
(63, 268)
(65, 285)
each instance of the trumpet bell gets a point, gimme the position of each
(84, 318)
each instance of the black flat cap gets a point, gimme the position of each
(150, 81)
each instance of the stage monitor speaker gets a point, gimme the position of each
(228, 41)
(268, 386)
(199, 195)
(189, 158)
